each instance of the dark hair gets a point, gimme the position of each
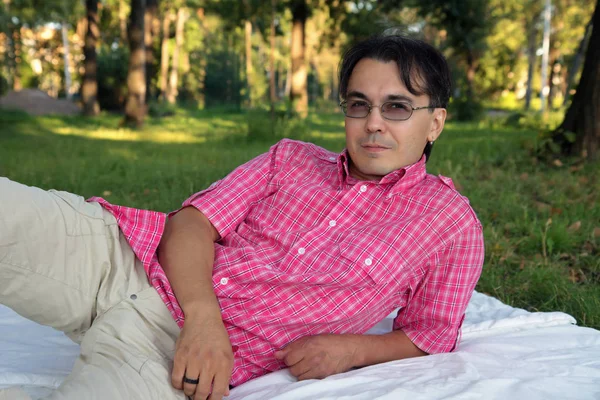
(422, 68)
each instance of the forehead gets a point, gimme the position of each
(379, 79)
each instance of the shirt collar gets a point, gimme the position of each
(400, 179)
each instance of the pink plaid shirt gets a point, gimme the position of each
(306, 249)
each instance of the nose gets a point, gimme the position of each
(374, 122)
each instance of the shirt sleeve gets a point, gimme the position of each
(434, 315)
(227, 202)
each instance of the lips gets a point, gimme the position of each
(374, 147)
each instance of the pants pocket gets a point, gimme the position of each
(80, 217)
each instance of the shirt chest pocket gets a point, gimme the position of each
(376, 260)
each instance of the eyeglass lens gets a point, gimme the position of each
(392, 110)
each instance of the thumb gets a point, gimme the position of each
(280, 354)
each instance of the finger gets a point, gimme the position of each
(190, 388)
(293, 358)
(204, 387)
(311, 374)
(300, 368)
(178, 372)
(220, 387)
(280, 354)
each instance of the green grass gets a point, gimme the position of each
(541, 222)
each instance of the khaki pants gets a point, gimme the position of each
(64, 263)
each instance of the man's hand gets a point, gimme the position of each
(320, 356)
(203, 352)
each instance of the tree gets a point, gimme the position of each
(89, 89)
(579, 133)
(574, 68)
(151, 27)
(135, 102)
(299, 93)
(164, 56)
(251, 15)
(531, 15)
(172, 88)
(272, 91)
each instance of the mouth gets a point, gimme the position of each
(374, 148)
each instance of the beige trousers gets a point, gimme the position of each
(64, 263)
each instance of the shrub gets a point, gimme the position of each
(112, 77)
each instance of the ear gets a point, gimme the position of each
(437, 124)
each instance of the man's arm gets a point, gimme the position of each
(323, 355)
(453, 278)
(203, 350)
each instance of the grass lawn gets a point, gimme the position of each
(541, 221)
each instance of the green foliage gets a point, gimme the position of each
(223, 84)
(28, 78)
(112, 76)
(159, 109)
(465, 108)
(264, 126)
(535, 120)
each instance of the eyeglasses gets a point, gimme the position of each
(391, 110)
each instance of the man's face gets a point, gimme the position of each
(378, 146)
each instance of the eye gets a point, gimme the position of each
(357, 104)
(397, 106)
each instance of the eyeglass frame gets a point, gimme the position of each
(343, 105)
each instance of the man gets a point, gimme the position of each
(284, 262)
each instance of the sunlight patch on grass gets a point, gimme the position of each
(131, 136)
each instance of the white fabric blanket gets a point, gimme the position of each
(505, 353)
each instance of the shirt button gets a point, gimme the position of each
(368, 261)
(224, 281)
(363, 188)
(332, 223)
(331, 158)
(301, 250)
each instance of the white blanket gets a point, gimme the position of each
(505, 353)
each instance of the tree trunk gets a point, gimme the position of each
(89, 89)
(164, 56)
(583, 116)
(17, 49)
(135, 102)
(272, 91)
(472, 64)
(65, 39)
(555, 66)
(228, 67)
(574, 67)
(179, 37)
(203, 60)
(299, 95)
(531, 48)
(150, 22)
(249, 69)
(123, 21)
